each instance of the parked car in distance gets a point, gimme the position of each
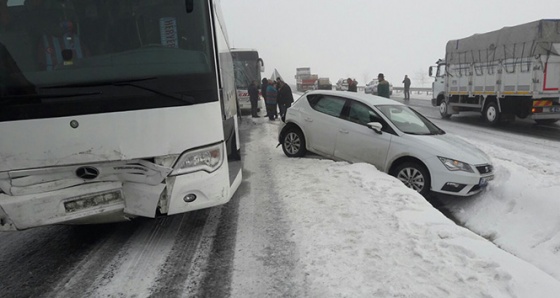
(371, 87)
(393, 137)
(342, 85)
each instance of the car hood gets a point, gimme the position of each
(450, 147)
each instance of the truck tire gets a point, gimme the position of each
(443, 110)
(491, 113)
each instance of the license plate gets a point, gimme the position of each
(484, 181)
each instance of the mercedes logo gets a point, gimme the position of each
(87, 173)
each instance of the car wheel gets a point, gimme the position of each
(443, 110)
(414, 176)
(293, 143)
(491, 113)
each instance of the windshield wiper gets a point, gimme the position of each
(120, 83)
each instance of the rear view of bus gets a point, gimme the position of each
(248, 67)
(111, 110)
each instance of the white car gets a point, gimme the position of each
(342, 85)
(371, 87)
(396, 139)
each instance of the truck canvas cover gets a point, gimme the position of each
(522, 41)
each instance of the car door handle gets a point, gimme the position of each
(308, 119)
(344, 131)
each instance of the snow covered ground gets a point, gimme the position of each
(348, 230)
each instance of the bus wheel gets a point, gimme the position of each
(491, 113)
(293, 143)
(546, 121)
(443, 110)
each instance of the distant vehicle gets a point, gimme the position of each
(371, 87)
(396, 139)
(342, 85)
(304, 79)
(503, 74)
(323, 84)
(248, 67)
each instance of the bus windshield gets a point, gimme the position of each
(76, 57)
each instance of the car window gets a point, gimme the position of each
(362, 114)
(408, 120)
(329, 105)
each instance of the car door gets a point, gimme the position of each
(356, 142)
(321, 123)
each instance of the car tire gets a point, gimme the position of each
(293, 143)
(414, 175)
(443, 110)
(491, 113)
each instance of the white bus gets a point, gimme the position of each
(111, 110)
(248, 67)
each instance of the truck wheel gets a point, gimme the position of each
(293, 143)
(443, 110)
(491, 113)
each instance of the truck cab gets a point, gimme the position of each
(438, 72)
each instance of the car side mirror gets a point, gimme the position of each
(376, 126)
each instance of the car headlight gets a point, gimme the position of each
(455, 165)
(206, 159)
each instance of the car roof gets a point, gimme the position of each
(361, 97)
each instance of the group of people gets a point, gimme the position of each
(277, 96)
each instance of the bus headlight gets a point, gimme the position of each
(206, 159)
(455, 165)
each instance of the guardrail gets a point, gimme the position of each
(417, 90)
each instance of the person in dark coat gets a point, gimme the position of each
(254, 98)
(382, 86)
(285, 98)
(352, 85)
(271, 94)
(406, 83)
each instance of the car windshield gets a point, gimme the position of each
(409, 121)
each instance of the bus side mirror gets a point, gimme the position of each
(430, 71)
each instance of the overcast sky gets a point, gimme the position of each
(360, 38)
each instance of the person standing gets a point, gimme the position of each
(285, 98)
(254, 98)
(406, 83)
(352, 85)
(383, 89)
(271, 94)
(264, 85)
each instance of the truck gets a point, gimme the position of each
(304, 79)
(323, 84)
(503, 74)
